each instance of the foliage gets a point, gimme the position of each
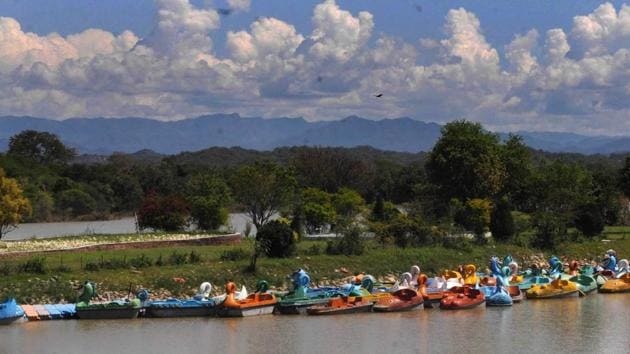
(589, 220)
(263, 188)
(347, 203)
(502, 222)
(76, 202)
(33, 265)
(207, 213)
(550, 229)
(350, 244)
(406, 231)
(41, 147)
(167, 213)
(13, 205)
(465, 163)
(235, 254)
(276, 239)
(317, 209)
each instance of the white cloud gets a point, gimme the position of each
(239, 5)
(568, 79)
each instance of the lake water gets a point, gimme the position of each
(237, 221)
(594, 324)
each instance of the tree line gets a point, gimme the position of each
(471, 182)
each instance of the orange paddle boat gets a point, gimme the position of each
(258, 303)
(401, 300)
(462, 297)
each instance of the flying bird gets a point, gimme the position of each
(224, 12)
(379, 95)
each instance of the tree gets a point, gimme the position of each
(465, 163)
(406, 231)
(263, 188)
(349, 244)
(75, 202)
(166, 213)
(549, 230)
(624, 178)
(276, 239)
(208, 196)
(13, 205)
(589, 219)
(502, 222)
(516, 158)
(317, 208)
(348, 203)
(42, 147)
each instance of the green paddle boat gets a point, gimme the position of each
(106, 310)
(585, 283)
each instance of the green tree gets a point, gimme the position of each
(263, 188)
(350, 243)
(42, 147)
(502, 222)
(549, 230)
(624, 178)
(589, 219)
(348, 203)
(13, 205)
(75, 202)
(465, 163)
(276, 239)
(166, 213)
(208, 196)
(516, 158)
(317, 208)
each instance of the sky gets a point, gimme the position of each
(536, 65)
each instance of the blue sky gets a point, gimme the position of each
(529, 65)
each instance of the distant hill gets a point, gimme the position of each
(104, 136)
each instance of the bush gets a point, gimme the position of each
(502, 222)
(314, 250)
(141, 261)
(549, 229)
(406, 231)
(276, 239)
(208, 213)
(91, 266)
(114, 263)
(159, 261)
(177, 258)
(194, 257)
(33, 265)
(5, 269)
(236, 254)
(589, 220)
(350, 243)
(167, 213)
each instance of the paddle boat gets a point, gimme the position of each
(516, 277)
(585, 283)
(199, 306)
(497, 295)
(342, 305)
(432, 290)
(623, 267)
(10, 312)
(453, 279)
(558, 288)
(259, 303)
(462, 297)
(533, 277)
(302, 297)
(401, 300)
(617, 285)
(106, 310)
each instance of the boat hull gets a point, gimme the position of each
(325, 310)
(573, 293)
(105, 314)
(9, 320)
(298, 307)
(165, 312)
(398, 307)
(245, 311)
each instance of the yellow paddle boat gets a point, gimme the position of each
(556, 289)
(619, 285)
(470, 275)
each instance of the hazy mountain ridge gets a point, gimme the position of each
(107, 135)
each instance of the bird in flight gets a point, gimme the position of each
(379, 95)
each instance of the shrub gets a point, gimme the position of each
(276, 239)
(314, 250)
(589, 220)
(91, 266)
(406, 231)
(159, 261)
(549, 229)
(208, 213)
(236, 254)
(349, 244)
(33, 265)
(502, 222)
(177, 258)
(141, 261)
(167, 213)
(5, 269)
(194, 257)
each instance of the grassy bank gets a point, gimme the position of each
(55, 276)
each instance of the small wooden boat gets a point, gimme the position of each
(401, 300)
(258, 303)
(10, 312)
(463, 297)
(558, 288)
(342, 305)
(618, 285)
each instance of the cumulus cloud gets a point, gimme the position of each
(562, 79)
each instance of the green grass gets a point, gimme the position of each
(60, 273)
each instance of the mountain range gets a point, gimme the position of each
(128, 135)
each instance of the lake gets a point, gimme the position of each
(237, 221)
(594, 324)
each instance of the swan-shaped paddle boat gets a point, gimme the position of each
(123, 308)
(260, 302)
(10, 312)
(556, 289)
(200, 305)
(432, 290)
(301, 296)
(497, 295)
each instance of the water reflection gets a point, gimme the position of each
(596, 323)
